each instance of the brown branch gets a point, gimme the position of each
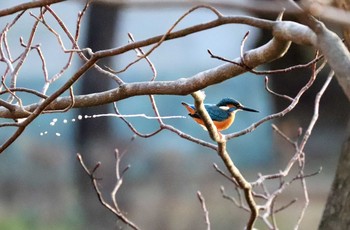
(288, 139)
(7, 105)
(304, 141)
(76, 46)
(26, 6)
(132, 128)
(239, 203)
(115, 210)
(198, 97)
(42, 106)
(182, 86)
(231, 179)
(204, 208)
(282, 113)
(9, 124)
(20, 89)
(272, 50)
(119, 176)
(299, 157)
(72, 100)
(3, 40)
(316, 111)
(163, 126)
(252, 70)
(225, 157)
(333, 49)
(273, 92)
(25, 54)
(41, 56)
(163, 38)
(141, 53)
(189, 137)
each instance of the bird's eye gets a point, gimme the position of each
(224, 107)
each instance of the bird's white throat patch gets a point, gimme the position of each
(224, 107)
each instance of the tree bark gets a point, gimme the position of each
(336, 215)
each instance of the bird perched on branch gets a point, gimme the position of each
(222, 114)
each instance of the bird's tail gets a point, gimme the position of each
(189, 108)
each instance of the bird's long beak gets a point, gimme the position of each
(249, 110)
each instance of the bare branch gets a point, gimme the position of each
(305, 139)
(115, 210)
(26, 6)
(283, 112)
(182, 86)
(225, 175)
(222, 152)
(276, 129)
(274, 93)
(205, 210)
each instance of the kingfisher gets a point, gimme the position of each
(223, 113)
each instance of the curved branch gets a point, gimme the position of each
(336, 54)
(331, 46)
(274, 49)
(183, 86)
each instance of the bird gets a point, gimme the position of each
(223, 113)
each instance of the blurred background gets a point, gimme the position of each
(42, 184)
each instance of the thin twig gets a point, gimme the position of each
(163, 38)
(204, 208)
(239, 204)
(282, 113)
(76, 46)
(24, 55)
(28, 5)
(288, 139)
(231, 179)
(273, 92)
(99, 193)
(304, 141)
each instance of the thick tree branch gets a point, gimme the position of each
(331, 46)
(183, 86)
(324, 11)
(336, 54)
(26, 6)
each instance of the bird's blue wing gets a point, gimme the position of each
(216, 113)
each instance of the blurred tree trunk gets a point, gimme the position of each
(336, 215)
(94, 136)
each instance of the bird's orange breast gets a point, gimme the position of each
(220, 125)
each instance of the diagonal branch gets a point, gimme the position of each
(183, 86)
(225, 157)
(115, 210)
(204, 208)
(26, 6)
